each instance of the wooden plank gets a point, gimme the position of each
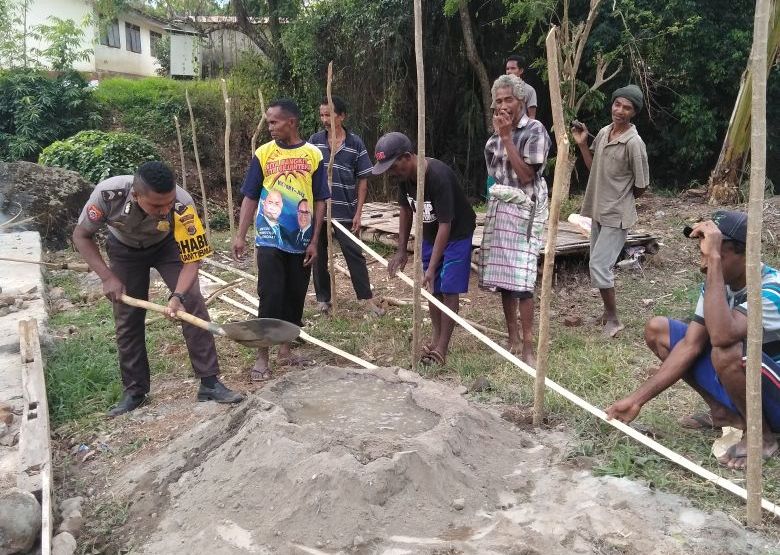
(383, 228)
(35, 472)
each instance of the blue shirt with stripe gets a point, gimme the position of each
(770, 301)
(350, 165)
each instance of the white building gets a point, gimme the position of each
(123, 46)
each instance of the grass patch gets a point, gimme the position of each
(82, 369)
(100, 528)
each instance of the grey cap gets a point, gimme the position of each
(388, 148)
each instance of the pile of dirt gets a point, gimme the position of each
(52, 197)
(345, 461)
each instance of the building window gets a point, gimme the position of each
(133, 35)
(110, 35)
(154, 38)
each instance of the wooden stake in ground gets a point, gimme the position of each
(758, 63)
(181, 153)
(420, 208)
(333, 147)
(259, 127)
(197, 164)
(228, 182)
(560, 188)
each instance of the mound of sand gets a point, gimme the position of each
(345, 461)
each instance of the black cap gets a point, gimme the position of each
(732, 224)
(388, 148)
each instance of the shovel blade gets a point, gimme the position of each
(261, 332)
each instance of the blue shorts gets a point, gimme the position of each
(705, 376)
(454, 271)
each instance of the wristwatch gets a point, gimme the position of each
(179, 296)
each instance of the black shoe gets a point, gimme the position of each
(127, 403)
(219, 393)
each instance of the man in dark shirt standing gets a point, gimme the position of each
(448, 225)
(285, 178)
(351, 166)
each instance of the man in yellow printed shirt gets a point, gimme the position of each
(285, 177)
(152, 223)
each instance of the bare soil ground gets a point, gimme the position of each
(220, 480)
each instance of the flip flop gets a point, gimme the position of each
(731, 456)
(432, 357)
(698, 421)
(295, 360)
(256, 376)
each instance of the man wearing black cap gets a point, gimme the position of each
(709, 352)
(448, 224)
(619, 173)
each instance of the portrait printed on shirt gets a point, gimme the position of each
(284, 217)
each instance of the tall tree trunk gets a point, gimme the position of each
(724, 180)
(476, 61)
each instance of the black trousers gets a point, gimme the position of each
(132, 267)
(282, 282)
(356, 263)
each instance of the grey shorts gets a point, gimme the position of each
(605, 246)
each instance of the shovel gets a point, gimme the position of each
(260, 332)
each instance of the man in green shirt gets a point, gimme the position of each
(619, 174)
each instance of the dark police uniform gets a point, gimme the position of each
(136, 243)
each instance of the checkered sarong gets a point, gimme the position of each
(508, 255)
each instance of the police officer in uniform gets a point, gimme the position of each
(152, 223)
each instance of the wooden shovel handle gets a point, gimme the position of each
(185, 316)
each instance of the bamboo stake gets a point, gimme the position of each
(228, 181)
(256, 134)
(560, 184)
(401, 302)
(197, 164)
(181, 153)
(329, 231)
(222, 266)
(420, 208)
(568, 395)
(303, 335)
(755, 219)
(75, 266)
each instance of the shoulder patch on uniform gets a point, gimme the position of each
(179, 207)
(94, 213)
(113, 194)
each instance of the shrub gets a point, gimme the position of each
(36, 110)
(97, 155)
(143, 106)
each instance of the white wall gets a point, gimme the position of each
(104, 58)
(77, 10)
(122, 60)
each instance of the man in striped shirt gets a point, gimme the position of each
(709, 352)
(515, 156)
(351, 167)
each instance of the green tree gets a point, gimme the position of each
(36, 109)
(63, 39)
(13, 34)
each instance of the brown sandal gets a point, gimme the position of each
(432, 357)
(257, 376)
